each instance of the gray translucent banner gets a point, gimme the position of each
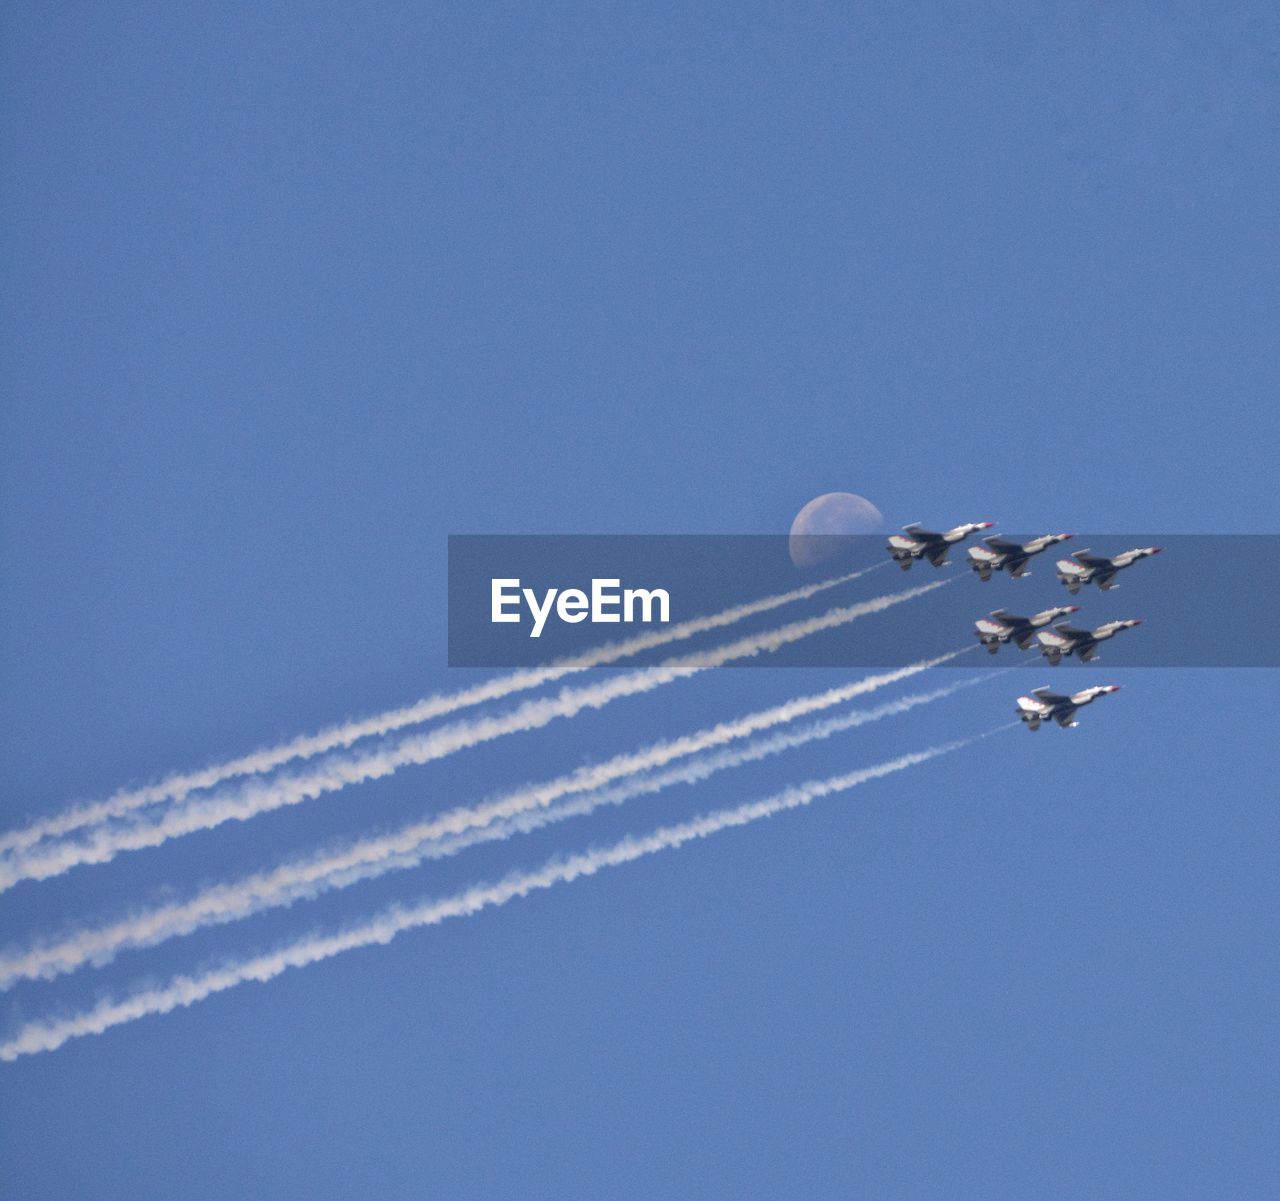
(1207, 600)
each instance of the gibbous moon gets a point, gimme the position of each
(817, 529)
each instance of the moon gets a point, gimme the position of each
(841, 514)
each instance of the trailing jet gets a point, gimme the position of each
(999, 554)
(1002, 626)
(1064, 640)
(916, 543)
(1083, 568)
(1044, 705)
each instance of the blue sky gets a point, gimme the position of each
(294, 292)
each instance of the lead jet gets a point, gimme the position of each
(999, 554)
(1045, 705)
(916, 543)
(1064, 640)
(1002, 626)
(1083, 568)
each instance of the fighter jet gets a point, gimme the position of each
(1083, 568)
(1002, 626)
(916, 543)
(1044, 705)
(1064, 640)
(998, 554)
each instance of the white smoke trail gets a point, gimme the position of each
(180, 785)
(183, 991)
(256, 797)
(523, 811)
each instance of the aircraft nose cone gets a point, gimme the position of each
(1073, 608)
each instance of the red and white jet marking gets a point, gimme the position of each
(1083, 568)
(999, 554)
(917, 543)
(1001, 626)
(1045, 705)
(1065, 640)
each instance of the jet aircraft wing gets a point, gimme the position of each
(1049, 696)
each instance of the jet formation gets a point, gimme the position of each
(1000, 627)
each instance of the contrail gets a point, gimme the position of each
(183, 991)
(255, 797)
(523, 811)
(179, 785)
